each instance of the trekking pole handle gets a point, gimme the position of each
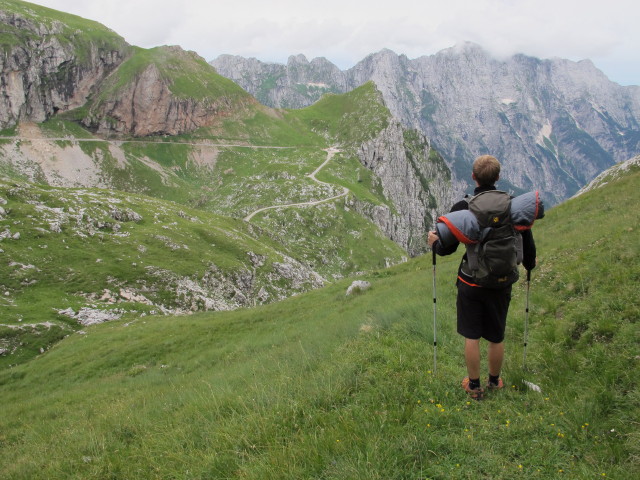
(528, 275)
(433, 253)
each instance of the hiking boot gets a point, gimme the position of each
(475, 393)
(495, 386)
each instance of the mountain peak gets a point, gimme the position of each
(299, 59)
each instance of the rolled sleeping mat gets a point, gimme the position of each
(460, 226)
(526, 209)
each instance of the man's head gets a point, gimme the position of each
(486, 170)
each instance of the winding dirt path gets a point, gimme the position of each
(330, 153)
(31, 132)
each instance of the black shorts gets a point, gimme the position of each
(482, 312)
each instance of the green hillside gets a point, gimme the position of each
(190, 250)
(188, 75)
(351, 118)
(243, 157)
(325, 385)
(256, 159)
(112, 254)
(70, 30)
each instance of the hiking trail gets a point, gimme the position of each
(331, 151)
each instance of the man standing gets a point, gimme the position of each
(482, 311)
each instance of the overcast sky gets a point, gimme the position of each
(345, 32)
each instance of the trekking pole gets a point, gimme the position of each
(435, 338)
(526, 322)
(529, 385)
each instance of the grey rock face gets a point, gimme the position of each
(554, 124)
(415, 181)
(295, 85)
(145, 104)
(43, 75)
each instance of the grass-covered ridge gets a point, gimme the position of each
(331, 386)
(187, 74)
(70, 30)
(349, 119)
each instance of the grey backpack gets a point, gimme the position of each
(493, 261)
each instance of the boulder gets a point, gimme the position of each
(358, 286)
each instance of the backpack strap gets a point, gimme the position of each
(519, 248)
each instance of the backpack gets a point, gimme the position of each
(493, 260)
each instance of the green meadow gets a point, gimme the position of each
(328, 386)
(192, 192)
(319, 385)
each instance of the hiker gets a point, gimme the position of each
(482, 311)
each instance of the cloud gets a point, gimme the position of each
(345, 32)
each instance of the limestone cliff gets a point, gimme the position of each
(49, 66)
(163, 91)
(414, 179)
(297, 84)
(52, 62)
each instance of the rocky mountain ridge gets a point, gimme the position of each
(555, 124)
(56, 63)
(618, 170)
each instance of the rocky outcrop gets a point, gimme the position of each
(146, 103)
(554, 124)
(415, 181)
(619, 170)
(358, 286)
(49, 68)
(52, 66)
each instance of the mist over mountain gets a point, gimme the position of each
(555, 124)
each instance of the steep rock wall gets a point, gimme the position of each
(146, 106)
(163, 91)
(415, 181)
(46, 72)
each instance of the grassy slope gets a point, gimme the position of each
(92, 33)
(44, 271)
(349, 119)
(240, 180)
(188, 75)
(332, 239)
(329, 386)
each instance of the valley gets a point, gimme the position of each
(179, 245)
